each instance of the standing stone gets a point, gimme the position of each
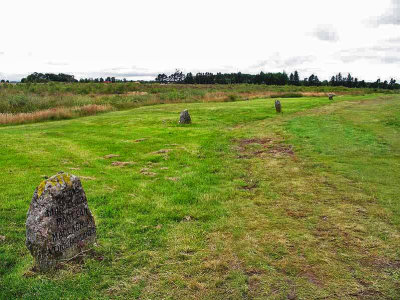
(59, 224)
(278, 106)
(185, 117)
(331, 96)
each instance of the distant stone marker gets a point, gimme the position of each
(185, 117)
(278, 106)
(59, 224)
(331, 96)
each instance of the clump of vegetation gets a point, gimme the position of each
(47, 77)
(233, 97)
(287, 95)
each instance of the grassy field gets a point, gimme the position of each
(27, 103)
(241, 204)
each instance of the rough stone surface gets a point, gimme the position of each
(185, 117)
(59, 223)
(331, 96)
(278, 106)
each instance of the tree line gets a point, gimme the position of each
(47, 77)
(280, 78)
(273, 79)
(101, 80)
(61, 77)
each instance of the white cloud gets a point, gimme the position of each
(57, 63)
(326, 33)
(298, 60)
(390, 17)
(275, 62)
(393, 40)
(378, 54)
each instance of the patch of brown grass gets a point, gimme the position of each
(173, 178)
(139, 140)
(147, 172)
(268, 146)
(162, 151)
(122, 163)
(92, 109)
(111, 156)
(135, 93)
(58, 113)
(87, 178)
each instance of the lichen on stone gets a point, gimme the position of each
(57, 180)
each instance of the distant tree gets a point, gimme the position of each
(41, 78)
(239, 77)
(339, 78)
(311, 79)
(332, 82)
(296, 78)
(189, 78)
(392, 83)
(162, 78)
(377, 84)
(176, 77)
(349, 81)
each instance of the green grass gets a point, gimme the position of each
(229, 213)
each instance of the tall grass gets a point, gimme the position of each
(58, 113)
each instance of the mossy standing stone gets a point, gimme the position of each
(59, 224)
(278, 106)
(185, 117)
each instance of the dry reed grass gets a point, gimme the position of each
(58, 113)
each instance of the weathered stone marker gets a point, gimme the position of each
(278, 106)
(331, 96)
(59, 224)
(185, 117)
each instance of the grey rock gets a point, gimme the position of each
(278, 106)
(59, 224)
(185, 117)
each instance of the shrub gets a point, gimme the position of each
(287, 95)
(233, 98)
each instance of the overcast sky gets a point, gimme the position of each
(139, 39)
